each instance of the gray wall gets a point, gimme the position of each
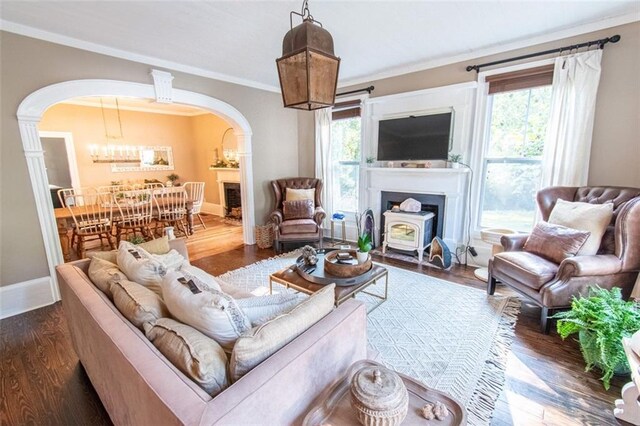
(615, 152)
(28, 64)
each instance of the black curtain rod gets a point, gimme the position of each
(600, 43)
(351, 92)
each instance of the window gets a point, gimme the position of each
(512, 161)
(346, 142)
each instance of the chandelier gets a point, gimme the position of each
(308, 68)
(113, 152)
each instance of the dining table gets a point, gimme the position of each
(64, 220)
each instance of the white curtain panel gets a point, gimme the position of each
(323, 157)
(573, 101)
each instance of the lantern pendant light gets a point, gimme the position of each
(308, 68)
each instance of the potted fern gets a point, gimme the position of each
(601, 320)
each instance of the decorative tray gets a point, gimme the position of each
(318, 275)
(335, 409)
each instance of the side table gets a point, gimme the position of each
(343, 232)
(491, 236)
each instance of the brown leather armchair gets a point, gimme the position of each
(297, 230)
(552, 286)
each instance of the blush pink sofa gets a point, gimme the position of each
(138, 385)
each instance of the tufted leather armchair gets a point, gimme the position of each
(298, 230)
(552, 286)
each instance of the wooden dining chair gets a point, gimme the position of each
(195, 193)
(92, 218)
(171, 208)
(135, 210)
(66, 197)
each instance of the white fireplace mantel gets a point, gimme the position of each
(452, 183)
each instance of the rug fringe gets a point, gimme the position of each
(483, 401)
(258, 263)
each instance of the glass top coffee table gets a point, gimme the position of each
(290, 278)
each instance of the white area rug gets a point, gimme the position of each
(451, 337)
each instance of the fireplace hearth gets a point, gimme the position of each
(233, 201)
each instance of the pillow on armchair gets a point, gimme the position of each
(298, 209)
(586, 217)
(300, 194)
(555, 242)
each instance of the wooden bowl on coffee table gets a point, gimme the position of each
(333, 266)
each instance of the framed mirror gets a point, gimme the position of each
(229, 145)
(152, 158)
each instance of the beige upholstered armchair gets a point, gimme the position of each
(551, 285)
(296, 230)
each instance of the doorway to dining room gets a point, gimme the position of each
(33, 107)
(188, 144)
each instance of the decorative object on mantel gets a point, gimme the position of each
(439, 255)
(455, 161)
(173, 179)
(601, 320)
(308, 68)
(379, 396)
(371, 160)
(309, 255)
(111, 153)
(410, 205)
(478, 338)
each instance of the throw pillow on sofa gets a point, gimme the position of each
(190, 271)
(138, 265)
(265, 340)
(157, 246)
(260, 309)
(171, 260)
(137, 303)
(298, 209)
(103, 273)
(585, 217)
(193, 353)
(555, 242)
(209, 311)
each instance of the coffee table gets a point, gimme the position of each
(290, 278)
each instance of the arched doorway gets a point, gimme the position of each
(30, 113)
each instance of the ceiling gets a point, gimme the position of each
(137, 104)
(239, 41)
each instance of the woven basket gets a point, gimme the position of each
(264, 236)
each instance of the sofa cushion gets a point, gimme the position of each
(156, 246)
(260, 309)
(298, 226)
(209, 311)
(298, 209)
(137, 303)
(193, 353)
(555, 242)
(526, 268)
(586, 217)
(300, 194)
(109, 256)
(139, 266)
(263, 341)
(103, 273)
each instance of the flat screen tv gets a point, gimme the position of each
(424, 137)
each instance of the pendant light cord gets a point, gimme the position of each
(104, 121)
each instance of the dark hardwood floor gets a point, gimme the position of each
(42, 381)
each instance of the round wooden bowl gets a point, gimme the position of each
(342, 270)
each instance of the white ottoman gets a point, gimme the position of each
(492, 236)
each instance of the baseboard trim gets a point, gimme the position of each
(214, 209)
(26, 296)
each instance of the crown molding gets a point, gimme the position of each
(546, 38)
(32, 32)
